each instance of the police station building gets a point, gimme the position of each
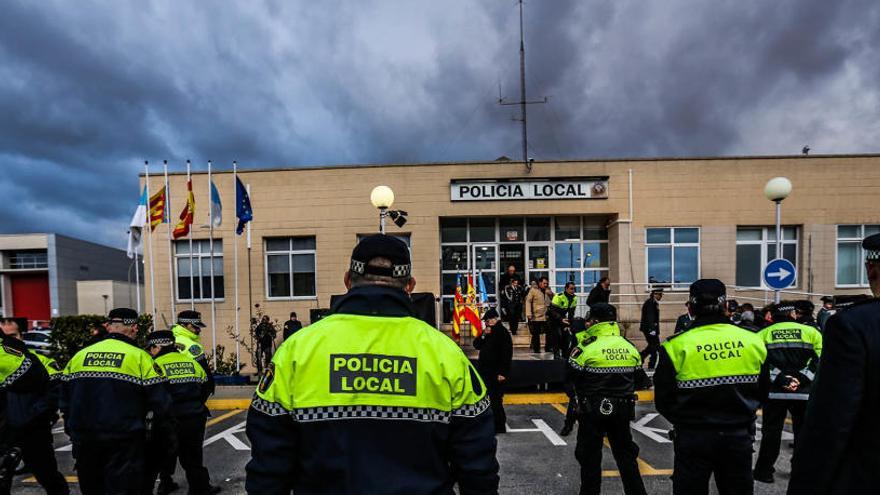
(643, 222)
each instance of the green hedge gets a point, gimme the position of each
(70, 333)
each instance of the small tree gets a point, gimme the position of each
(72, 333)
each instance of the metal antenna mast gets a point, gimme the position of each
(522, 93)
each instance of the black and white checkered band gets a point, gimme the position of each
(716, 381)
(160, 342)
(785, 309)
(609, 370)
(872, 255)
(790, 345)
(472, 410)
(111, 375)
(396, 271)
(191, 321)
(15, 375)
(574, 364)
(124, 321)
(331, 413)
(186, 379)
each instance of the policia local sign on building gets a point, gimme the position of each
(529, 189)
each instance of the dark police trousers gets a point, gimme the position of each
(701, 452)
(495, 391)
(772, 422)
(110, 467)
(190, 432)
(592, 428)
(536, 328)
(38, 453)
(652, 350)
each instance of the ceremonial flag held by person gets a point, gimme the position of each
(157, 209)
(243, 210)
(471, 313)
(216, 206)
(136, 227)
(457, 309)
(186, 216)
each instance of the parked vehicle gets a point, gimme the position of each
(38, 340)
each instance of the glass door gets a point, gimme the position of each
(485, 262)
(538, 262)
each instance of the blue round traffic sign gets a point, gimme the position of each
(779, 274)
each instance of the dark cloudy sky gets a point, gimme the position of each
(88, 90)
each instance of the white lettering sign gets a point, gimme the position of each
(586, 188)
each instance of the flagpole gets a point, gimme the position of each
(211, 248)
(250, 288)
(150, 242)
(192, 270)
(167, 218)
(235, 262)
(137, 280)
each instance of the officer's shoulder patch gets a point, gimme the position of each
(195, 350)
(158, 369)
(589, 340)
(13, 351)
(679, 334)
(180, 347)
(577, 351)
(267, 378)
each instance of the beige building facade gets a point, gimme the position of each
(644, 223)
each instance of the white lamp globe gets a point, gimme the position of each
(777, 188)
(382, 197)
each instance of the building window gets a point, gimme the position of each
(198, 279)
(756, 246)
(290, 267)
(851, 256)
(673, 256)
(28, 260)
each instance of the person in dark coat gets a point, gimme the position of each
(826, 312)
(837, 449)
(601, 293)
(506, 277)
(650, 327)
(512, 303)
(292, 326)
(265, 333)
(684, 321)
(496, 354)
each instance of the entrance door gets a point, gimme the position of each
(30, 296)
(485, 261)
(512, 254)
(538, 262)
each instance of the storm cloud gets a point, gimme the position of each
(88, 90)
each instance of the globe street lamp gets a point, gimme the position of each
(382, 198)
(776, 190)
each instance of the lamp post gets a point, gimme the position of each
(382, 198)
(776, 190)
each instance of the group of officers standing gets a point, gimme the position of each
(130, 412)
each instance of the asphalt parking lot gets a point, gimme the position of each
(533, 457)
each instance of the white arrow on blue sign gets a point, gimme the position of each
(779, 274)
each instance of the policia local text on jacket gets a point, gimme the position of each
(793, 351)
(709, 383)
(188, 339)
(111, 389)
(604, 368)
(371, 400)
(31, 411)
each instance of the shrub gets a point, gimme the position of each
(71, 333)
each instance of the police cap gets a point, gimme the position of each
(603, 312)
(871, 245)
(784, 308)
(827, 299)
(160, 338)
(381, 246)
(191, 317)
(708, 291)
(126, 316)
(804, 306)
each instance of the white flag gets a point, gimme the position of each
(136, 228)
(216, 207)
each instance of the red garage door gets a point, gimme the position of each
(30, 296)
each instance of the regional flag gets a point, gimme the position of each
(216, 206)
(243, 210)
(188, 213)
(457, 309)
(136, 227)
(471, 312)
(157, 209)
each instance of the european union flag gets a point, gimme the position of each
(242, 206)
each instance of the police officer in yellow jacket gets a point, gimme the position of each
(371, 399)
(188, 387)
(709, 383)
(560, 315)
(187, 335)
(793, 351)
(112, 394)
(32, 411)
(606, 369)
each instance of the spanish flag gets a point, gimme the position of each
(187, 215)
(157, 209)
